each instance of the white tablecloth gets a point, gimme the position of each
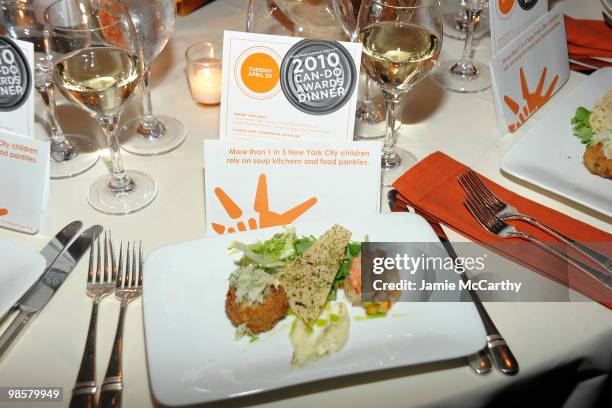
(556, 344)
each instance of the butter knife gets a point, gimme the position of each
(43, 291)
(503, 359)
(50, 252)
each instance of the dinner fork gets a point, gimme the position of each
(100, 283)
(492, 223)
(128, 288)
(472, 184)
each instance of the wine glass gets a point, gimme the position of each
(455, 21)
(466, 75)
(401, 43)
(324, 20)
(71, 154)
(97, 64)
(316, 19)
(151, 134)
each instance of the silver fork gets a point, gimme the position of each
(100, 283)
(129, 287)
(496, 226)
(472, 184)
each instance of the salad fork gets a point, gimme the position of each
(128, 288)
(472, 184)
(100, 283)
(492, 223)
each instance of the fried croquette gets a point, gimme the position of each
(596, 162)
(258, 317)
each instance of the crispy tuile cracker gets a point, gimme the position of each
(308, 279)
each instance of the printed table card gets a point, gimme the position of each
(286, 88)
(259, 184)
(16, 87)
(529, 71)
(509, 18)
(24, 182)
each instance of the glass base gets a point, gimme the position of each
(453, 25)
(444, 76)
(104, 199)
(86, 156)
(397, 166)
(135, 140)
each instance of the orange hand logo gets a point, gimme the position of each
(267, 218)
(534, 100)
(3, 211)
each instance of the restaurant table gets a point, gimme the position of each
(564, 349)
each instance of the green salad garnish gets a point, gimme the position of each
(581, 126)
(272, 254)
(352, 251)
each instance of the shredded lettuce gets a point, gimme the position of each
(581, 127)
(274, 253)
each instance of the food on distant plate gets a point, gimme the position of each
(287, 275)
(594, 129)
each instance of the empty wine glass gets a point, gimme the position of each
(71, 154)
(401, 43)
(455, 21)
(466, 75)
(151, 134)
(97, 64)
(316, 19)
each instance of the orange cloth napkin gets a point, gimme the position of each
(432, 187)
(588, 39)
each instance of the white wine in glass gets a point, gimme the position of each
(98, 65)
(71, 153)
(401, 43)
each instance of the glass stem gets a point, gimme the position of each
(465, 67)
(120, 182)
(367, 95)
(150, 126)
(61, 149)
(146, 98)
(389, 156)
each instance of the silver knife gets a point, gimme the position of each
(44, 290)
(497, 348)
(50, 252)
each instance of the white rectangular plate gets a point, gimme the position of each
(550, 156)
(192, 354)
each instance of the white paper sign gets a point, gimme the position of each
(16, 87)
(510, 18)
(24, 179)
(286, 88)
(529, 71)
(259, 184)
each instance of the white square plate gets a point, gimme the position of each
(192, 354)
(550, 156)
(21, 267)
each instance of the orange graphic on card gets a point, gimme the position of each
(3, 211)
(505, 6)
(267, 218)
(532, 100)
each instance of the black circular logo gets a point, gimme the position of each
(15, 77)
(527, 4)
(318, 77)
